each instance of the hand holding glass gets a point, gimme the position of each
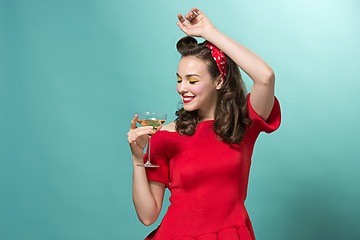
(151, 119)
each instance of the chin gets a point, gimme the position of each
(189, 108)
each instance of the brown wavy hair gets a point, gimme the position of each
(231, 115)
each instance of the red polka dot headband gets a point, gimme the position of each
(219, 58)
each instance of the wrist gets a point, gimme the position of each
(211, 33)
(137, 160)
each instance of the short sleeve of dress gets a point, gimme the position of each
(273, 121)
(158, 157)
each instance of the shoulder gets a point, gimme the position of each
(169, 127)
(271, 122)
(159, 139)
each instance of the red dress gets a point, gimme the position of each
(207, 179)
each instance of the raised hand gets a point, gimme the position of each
(195, 23)
(138, 138)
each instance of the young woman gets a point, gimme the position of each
(205, 154)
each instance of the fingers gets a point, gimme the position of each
(134, 134)
(181, 18)
(196, 10)
(182, 27)
(187, 16)
(192, 14)
(181, 23)
(133, 122)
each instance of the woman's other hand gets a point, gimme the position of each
(195, 23)
(138, 138)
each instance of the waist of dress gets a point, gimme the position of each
(200, 202)
(178, 224)
(195, 215)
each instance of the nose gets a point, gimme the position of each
(182, 87)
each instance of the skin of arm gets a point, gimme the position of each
(262, 92)
(147, 195)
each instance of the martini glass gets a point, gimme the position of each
(151, 119)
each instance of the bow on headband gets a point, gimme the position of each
(219, 58)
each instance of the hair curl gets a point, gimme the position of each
(231, 115)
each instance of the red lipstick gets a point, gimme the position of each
(187, 99)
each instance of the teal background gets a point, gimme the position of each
(73, 73)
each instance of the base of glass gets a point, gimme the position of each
(147, 165)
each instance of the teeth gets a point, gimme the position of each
(188, 98)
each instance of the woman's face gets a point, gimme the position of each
(197, 89)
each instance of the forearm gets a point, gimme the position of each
(144, 201)
(257, 69)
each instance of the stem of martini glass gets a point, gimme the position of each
(148, 158)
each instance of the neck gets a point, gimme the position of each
(208, 111)
(208, 115)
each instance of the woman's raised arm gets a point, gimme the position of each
(195, 23)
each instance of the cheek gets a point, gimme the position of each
(197, 89)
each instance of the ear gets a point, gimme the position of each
(219, 83)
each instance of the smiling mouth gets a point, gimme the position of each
(187, 99)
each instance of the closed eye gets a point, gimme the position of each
(193, 80)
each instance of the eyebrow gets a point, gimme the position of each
(188, 75)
